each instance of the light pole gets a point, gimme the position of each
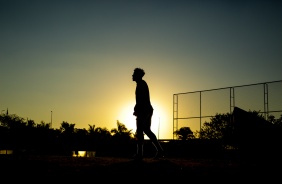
(159, 128)
(51, 119)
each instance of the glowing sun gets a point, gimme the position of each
(127, 118)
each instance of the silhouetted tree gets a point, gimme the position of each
(184, 133)
(80, 139)
(31, 123)
(277, 122)
(218, 128)
(43, 125)
(19, 134)
(67, 136)
(221, 127)
(67, 128)
(121, 132)
(121, 139)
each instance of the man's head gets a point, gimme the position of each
(138, 74)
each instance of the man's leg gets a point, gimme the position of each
(140, 139)
(153, 137)
(156, 143)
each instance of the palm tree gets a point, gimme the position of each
(121, 132)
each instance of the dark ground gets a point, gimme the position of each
(114, 169)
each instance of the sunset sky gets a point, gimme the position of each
(76, 57)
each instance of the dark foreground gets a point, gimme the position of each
(124, 170)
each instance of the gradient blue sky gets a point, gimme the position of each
(76, 57)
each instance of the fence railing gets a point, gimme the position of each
(192, 108)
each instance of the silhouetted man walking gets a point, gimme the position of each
(143, 111)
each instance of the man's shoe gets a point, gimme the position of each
(159, 155)
(137, 157)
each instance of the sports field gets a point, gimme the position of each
(125, 170)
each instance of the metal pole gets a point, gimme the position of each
(159, 128)
(200, 110)
(51, 120)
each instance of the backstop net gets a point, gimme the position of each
(192, 109)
